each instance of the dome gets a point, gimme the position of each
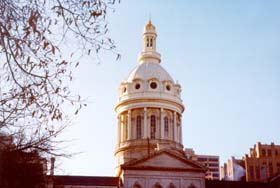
(149, 70)
(149, 26)
(149, 107)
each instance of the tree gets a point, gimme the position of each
(35, 72)
(22, 169)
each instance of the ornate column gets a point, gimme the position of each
(175, 126)
(180, 130)
(119, 129)
(129, 125)
(161, 124)
(122, 128)
(181, 138)
(145, 135)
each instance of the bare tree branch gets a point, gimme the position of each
(35, 74)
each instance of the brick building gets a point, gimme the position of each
(262, 162)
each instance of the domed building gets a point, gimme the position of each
(149, 150)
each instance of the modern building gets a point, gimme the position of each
(233, 170)
(211, 162)
(262, 162)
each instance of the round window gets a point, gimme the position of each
(137, 86)
(168, 87)
(124, 89)
(153, 85)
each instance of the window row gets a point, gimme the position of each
(149, 42)
(152, 85)
(269, 152)
(158, 185)
(152, 127)
(154, 123)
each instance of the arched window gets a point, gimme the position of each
(151, 42)
(166, 126)
(136, 185)
(192, 186)
(157, 185)
(171, 185)
(125, 128)
(153, 127)
(178, 121)
(138, 127)
(148, 42)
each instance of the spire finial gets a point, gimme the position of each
(149, 52)
(150, 20)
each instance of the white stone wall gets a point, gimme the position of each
(163, 179)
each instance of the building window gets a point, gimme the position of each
(136, 185)
(178, 120)
(137, 86)
(149, 42)
(213, 159)
(263, 152)
(201, 159)
(269, 152)
(171, 185)
(192, 186)
(153, 127)
(214, 164)
(153, 85)
(251, 172)
(270, 168)
(157, 185)
(124, 89)
(276, 152)
(138, 127)
(125, 128)
(278, 167)
(168, 87)
(263, 173)
(258, 174)
(216, 175)
(166, 127)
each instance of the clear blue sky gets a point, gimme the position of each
(225, 55)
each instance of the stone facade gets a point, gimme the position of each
(163, 169)
(149, 150)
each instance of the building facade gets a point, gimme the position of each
(233, 170)
(262, 162)
(149, 151)
(211, 162)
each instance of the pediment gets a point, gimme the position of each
(165, 160)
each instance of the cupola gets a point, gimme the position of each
(149, 52)
(149, 107)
